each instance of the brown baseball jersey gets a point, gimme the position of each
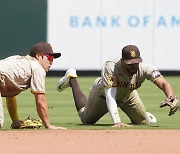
(18, 73)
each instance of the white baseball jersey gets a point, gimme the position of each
(127, 98)
(113, 75)
(18, 73)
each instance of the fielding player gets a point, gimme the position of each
(18, 73)
(117, 88)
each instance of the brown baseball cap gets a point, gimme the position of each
(131, 54)
(43, 47)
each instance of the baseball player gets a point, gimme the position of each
(18, 73)
(117, 88)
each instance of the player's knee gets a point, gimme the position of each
(81, 115)
(85, 119)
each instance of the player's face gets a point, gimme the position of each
(131, 69)
(45, 61)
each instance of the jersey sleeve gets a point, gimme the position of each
(108, 77)
(151, 72)
(38, 80)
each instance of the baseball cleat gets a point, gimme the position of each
(63, 83)
(152, 118)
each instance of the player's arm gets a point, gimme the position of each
(13, 112)
(110, 94)
(161, 83)
(155, 76)
(42, 109)
(171, 100)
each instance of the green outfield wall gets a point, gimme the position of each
(22, 23)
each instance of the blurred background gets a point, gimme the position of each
(90, 32)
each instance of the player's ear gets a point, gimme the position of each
(38, 56)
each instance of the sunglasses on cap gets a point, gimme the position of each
(49, 57)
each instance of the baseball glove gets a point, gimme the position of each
(30, 123)
(173, 103)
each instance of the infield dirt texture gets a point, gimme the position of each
(90, 142)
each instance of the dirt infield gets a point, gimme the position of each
(90, 141)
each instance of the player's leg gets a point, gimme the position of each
(1, 112)
(91, 110)
(79, 97)
(12, 109)
(96, 106)
(69, 80)
(135, 110)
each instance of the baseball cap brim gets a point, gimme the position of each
(133, 61)
(56, 55)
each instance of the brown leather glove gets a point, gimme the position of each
(173, 103)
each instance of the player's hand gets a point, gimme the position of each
(17, 124)
(120, 124)
(56, 127)
(173, 103)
